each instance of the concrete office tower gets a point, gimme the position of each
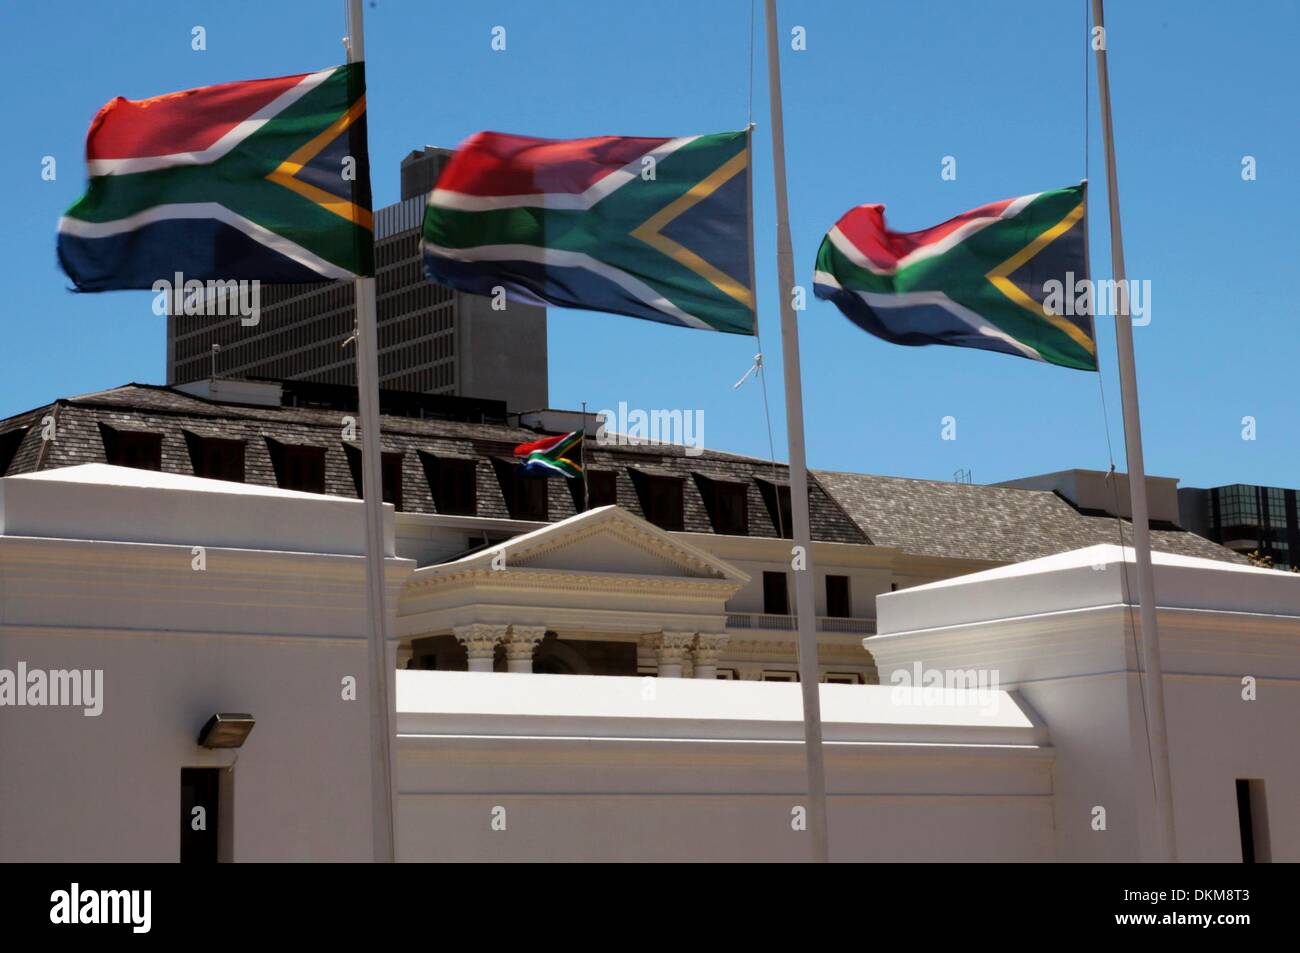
(432, 339)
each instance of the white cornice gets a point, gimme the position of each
(515, 577)
(63, 555)
(1100, 640)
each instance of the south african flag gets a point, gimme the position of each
(552, 456)
(992, 278)
(267, 179)
(654, 228)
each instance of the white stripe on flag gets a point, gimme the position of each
(571, 259)
(79, 228)
(949, 241)
(938, 298)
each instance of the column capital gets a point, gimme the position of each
(671, 649)
(521, 643)
(708, 646)
(480, 640)
(675, 642)
(707, 649)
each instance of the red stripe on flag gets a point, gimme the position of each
(865, 227)
(546, 443)
(188, 121)
(496, 163)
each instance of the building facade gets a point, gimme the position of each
(432, 339)
(461, 505)
(137, 604)
(1246, 519)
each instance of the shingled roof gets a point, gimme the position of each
(921, 517)
(172, 413)
(973, 521)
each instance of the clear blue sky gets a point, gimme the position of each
(884, 91)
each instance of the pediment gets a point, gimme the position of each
(605, 540)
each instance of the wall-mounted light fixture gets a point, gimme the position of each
(226, 730)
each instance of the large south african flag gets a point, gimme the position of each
(654, 228)
(996, 278)
(267, 179)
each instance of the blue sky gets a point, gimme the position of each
(884, 90)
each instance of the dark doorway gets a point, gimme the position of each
(200, 815)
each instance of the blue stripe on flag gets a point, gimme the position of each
(199, 249)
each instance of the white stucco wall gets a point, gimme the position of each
(590, 768)
(271, 633)
(1057, 631)
(582, 768)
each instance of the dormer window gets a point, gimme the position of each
(727, 505)
(776, 498)
(602, 489)
(390, 473)
(453, 484)
(216, 458)
(524, 493)
(661, 498)
(298, 466)
(141, 449)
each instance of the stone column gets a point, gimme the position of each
(480, 640)
(520, 645)
(708, 647)
(671, 652)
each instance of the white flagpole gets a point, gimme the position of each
(582, 460)
(381, 708)
(809, 675)
(1151, 677)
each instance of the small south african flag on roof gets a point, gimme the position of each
(552, 456)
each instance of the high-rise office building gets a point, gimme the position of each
(1246, 518)
(432, 339)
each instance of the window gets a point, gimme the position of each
(390, 465)
(9, 443)
(453, 484)
(602, 489)
(841, 678)
(727, 505)
(132, 448)
(776, 497)
(298, 467)
(1252, 821)
(524, 493)
(776, 595)
(215, 458)
(661, 499)
(780, 676)
(837, 597)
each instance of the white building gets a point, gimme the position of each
(193, 596)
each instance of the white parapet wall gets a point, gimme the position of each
(568, 768)
(1061, 632)
(170, 599)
